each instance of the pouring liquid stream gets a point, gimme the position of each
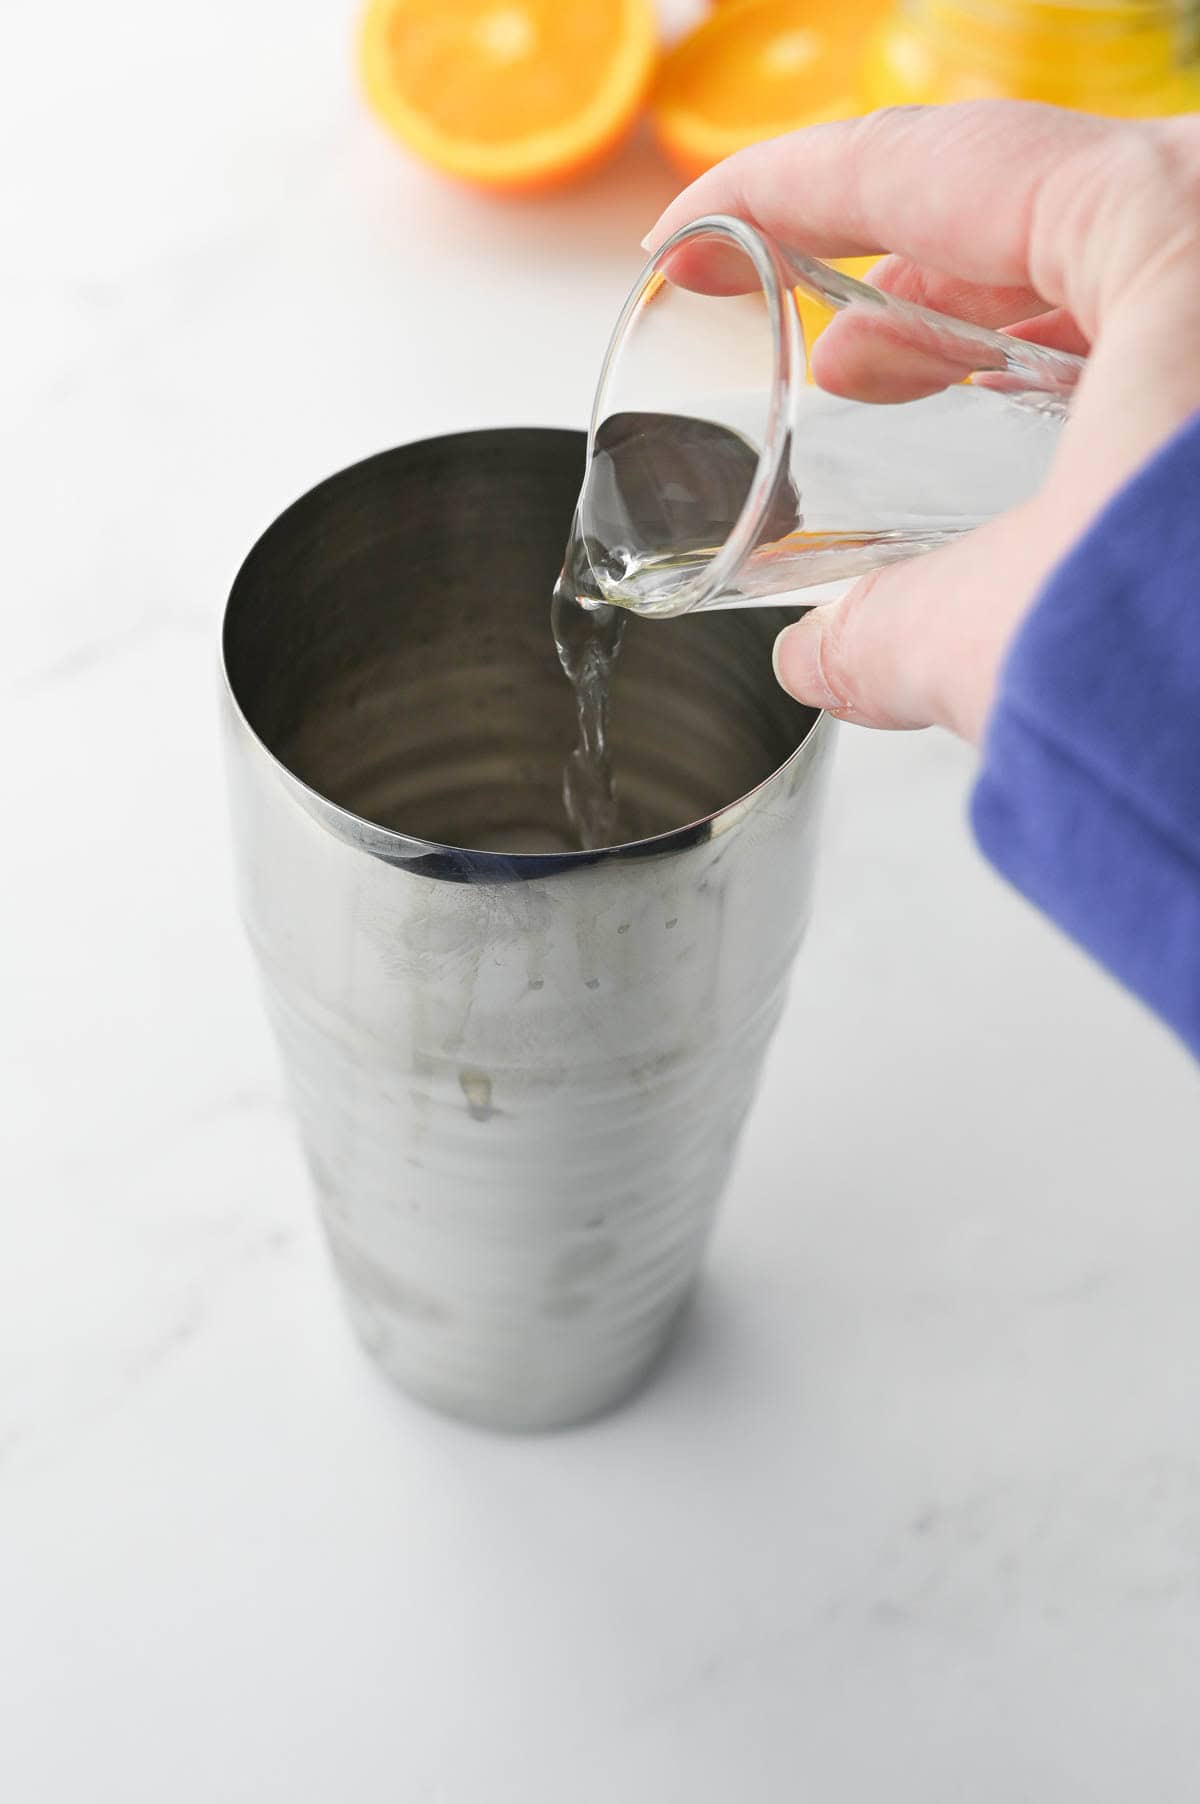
(662, 493)
(588, 641)
(677, 484)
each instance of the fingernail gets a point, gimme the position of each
(647, 241)
(796, 659)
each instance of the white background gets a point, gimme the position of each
(913, 1512)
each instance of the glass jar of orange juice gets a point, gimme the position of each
(1132, 58)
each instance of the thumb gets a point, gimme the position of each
(920, 644)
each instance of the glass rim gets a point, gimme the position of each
(788, 352)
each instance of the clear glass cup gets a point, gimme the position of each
(724, 467)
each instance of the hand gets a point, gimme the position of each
(1065, 229)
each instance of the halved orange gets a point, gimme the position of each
(509, 94)
(757, 68)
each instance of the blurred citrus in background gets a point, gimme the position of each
(757, 68)
(1131, 58)
(509, 94)
(525, 94)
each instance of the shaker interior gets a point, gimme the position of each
(388, 639)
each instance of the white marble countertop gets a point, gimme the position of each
(913, 1513)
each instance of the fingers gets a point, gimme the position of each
(865, 356)
(920, 644)
(1019, 311)
(984, 304)
(711, 265)
(1058, 330)
(955, 188)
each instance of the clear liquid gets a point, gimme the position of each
(588, 639)
(663, 493)
(652, 476)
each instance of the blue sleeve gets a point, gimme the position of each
(1089, 795)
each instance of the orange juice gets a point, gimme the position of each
(1129, 58)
